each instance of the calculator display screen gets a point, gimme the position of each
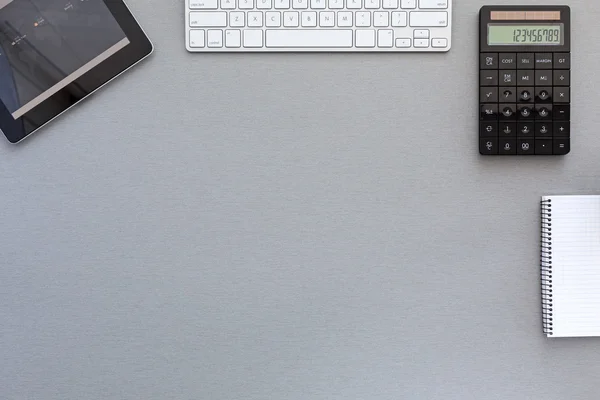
(527, 35)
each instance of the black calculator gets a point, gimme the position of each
(524, 80)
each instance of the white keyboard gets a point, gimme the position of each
(318, 25)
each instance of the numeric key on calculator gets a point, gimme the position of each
(507, 129)
(507, 94)
(526, 146)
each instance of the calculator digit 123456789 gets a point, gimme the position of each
(524, 80)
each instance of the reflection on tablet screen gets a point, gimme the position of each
(47, 44)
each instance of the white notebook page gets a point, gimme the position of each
(575, 265)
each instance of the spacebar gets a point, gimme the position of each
(309, 38)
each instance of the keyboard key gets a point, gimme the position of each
(246, 4)
(421, 33)
(561, 146)
(309, 19)
(237, 19)
(488, 129)
(283, 4)
(543, 129)
(489, 112)
(562, 60)
(326, 18)
(507, 146)
(365, 38)
(543, 60)
(297, 38)
(562, 129)
(507, 112)
(372, 4)
(203, 4)
(345, 18)
(526, 94)
(507, 129)
(300, 4)
(488, 78)
(403, 42)
(336, 4)
(390, 4)
(439, 42)
(421, 42)
(562, 78)
(543, 147)
(354, 4)
(273, 19)
(290, 19)
(489, 60)
(428, 18)
(255, 19)
(208, 19)
(508, 60)
(228, 4)
(543, 111)
(562, 95)
(525, 61)
(561, 112)
(507, 94)
(543, 94)
(381, 19)
(196, 38)
(488, 146)
(399, 18)
(433, 4)
(253, 38)
(233, 38)
(410, 4)
(215, 38)
(363, 18)
(263, 4)
(488, 95)
(525, 129)
(526, 146)
(385, 38)
(524, 112)
(317, 4)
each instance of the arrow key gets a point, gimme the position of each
(562, 129)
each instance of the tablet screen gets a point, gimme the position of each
(47, 44)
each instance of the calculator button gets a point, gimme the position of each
(525, 129)
(543, 129)
(507, 129)
(525, 77)
(488, 146)
(543, 95)
(543, 77)
(561, 112)
(507, 112)
(525, 61)
(525, 112)
(507, 94)
(543, 111)
(489, 112)
(562, 60)
(562, 129)
(562, 78)
(543, 60)
(488, 129)
(525, 94)
(507, 146)
(488, 60)
(543, 147)
(488, 95)
(525, 146)
(488, 78)
(508, 60)
(508, 77)
(561, 95)
(561, 146)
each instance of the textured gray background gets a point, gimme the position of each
(221, 227)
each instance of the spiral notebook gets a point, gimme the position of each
(571, 265)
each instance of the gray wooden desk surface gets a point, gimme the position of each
(222, 227)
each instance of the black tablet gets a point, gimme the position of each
(55, 53)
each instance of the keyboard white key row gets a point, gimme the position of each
(318, 25)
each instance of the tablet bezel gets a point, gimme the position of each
(139, 48)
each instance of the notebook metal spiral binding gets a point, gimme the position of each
(546, 266)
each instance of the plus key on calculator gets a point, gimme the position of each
(524, 80)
